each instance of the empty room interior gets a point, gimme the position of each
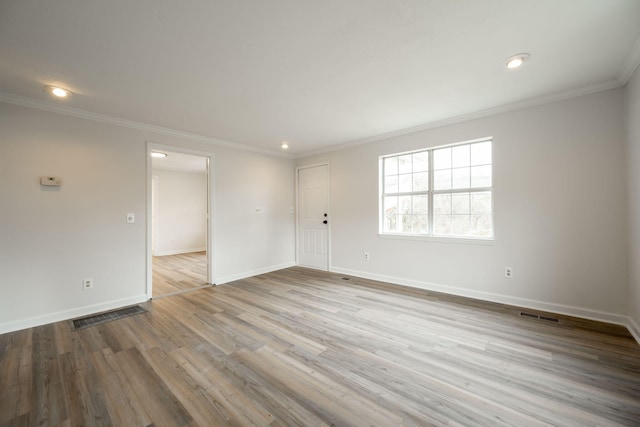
(337, 213)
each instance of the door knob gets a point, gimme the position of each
(324, 222)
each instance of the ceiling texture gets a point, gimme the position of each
(317, 74)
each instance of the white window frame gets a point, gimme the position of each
(431, 192)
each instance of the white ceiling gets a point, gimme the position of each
(314, 73)
(179, 162)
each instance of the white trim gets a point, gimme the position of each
(500, 109)
(69, 314)
(631, 63)
(22, 101)
(148, 244)
(569, 310)
(633, 328)
(438, 239)
(255, 272)
(155, 219)
(633, 59)
(181, 251)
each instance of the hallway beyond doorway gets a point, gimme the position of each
(178, 273)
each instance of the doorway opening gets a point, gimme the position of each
(180, 238)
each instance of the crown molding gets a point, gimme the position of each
(23, 101)
(505, 108)
(631, 63)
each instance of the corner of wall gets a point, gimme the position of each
(632, 135)
(634, 329)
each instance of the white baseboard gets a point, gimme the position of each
(568, 310)
(180, 251)
(250, 273)
(634, 328)
(69, 314)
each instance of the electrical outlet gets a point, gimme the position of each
(87, 284)
(508, 272)
(366, 256)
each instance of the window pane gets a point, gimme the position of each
(391, 184)
(481, 153)
(442, 225)
(480, 225)
(461, 178)
(421, 181)
(421, 205)
(442, 180)
(404, 164)
(420, 224)
(405, 183)
(460, 156)
(406, 223)
(391, 166)
(390, 207)
(460, 203)
(442, 158)
(481, 176)
(391, 223)
(404, 206)
(460, 225)
(481, 203)
(442, 204)
(421, 162)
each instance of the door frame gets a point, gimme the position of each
(298, 169)
(210, 232)
(155, 179)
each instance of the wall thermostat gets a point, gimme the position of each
(50, 181)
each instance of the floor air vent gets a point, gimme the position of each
(539, 317)
(533, 316)
(98, 319)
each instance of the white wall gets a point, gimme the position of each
(633, 183)
(182, 208)
(51, 240)
(559, 211)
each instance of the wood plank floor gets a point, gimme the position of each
(178, 273)
(302, 347)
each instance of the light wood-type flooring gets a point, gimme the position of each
(303, 347)
(178, 273)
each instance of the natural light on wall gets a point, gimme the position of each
(443, 191)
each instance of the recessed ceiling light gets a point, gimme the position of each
(58, 92)
(158, 154)
(516, 61)
(284, 145)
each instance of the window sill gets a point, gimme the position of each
(436, 239)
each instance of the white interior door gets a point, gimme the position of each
(313, 217)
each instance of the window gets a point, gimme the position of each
(443, 191)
